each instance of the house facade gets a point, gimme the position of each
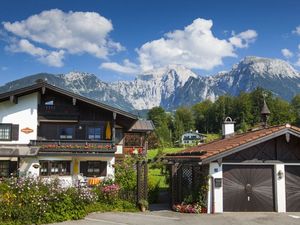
(50, 132)
(192, 138)
(254, 171)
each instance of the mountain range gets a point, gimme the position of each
(175, 85)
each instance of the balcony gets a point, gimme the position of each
(82, 146)
(58, 110)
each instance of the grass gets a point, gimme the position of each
(155, 173)
(157, 177)
(212, 137)
(153, 152)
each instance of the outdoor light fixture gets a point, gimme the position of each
(80, 127)
(280, 174)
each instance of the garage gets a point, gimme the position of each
(292, 182)
(256, 171)
(248, 188)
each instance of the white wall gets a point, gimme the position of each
(280, 198)
(215, 171)
(23, 113)
(26, 167)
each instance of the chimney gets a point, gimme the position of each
(265, 112)
(228, 128)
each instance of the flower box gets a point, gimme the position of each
(189, 208)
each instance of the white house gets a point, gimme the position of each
(50, 132)
(192, 138)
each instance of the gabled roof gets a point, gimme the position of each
(223, 147)
(142, 126)
(38, 87)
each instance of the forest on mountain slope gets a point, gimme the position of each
(207, 117)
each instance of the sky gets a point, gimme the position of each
(117, 39)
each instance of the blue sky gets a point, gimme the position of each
(123, 38)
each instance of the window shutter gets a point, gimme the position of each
(103, 168)
(15, 132)
(13, 168)
(83, 168)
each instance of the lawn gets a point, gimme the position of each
(155, 174)
(153, 152)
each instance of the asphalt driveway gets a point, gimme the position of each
(166, 217)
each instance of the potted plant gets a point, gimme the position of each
(143, 205)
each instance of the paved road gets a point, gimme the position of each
(165, 217)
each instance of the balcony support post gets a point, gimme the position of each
(114, 129)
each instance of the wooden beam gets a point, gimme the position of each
(114, 128)
(13, 99)
(43, 90)
(74, 101)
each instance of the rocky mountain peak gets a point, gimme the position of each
(175, 85)
(180, 72)
(265, 67)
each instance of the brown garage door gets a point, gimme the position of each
(292, 183)
(248, 188)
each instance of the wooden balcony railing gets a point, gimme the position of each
(74, 145)
(57, 109)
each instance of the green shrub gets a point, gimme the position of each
(32, 201)
(125, 174)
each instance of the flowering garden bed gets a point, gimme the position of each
(189, 208)
(34, 201)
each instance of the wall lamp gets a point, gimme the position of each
(280, 174)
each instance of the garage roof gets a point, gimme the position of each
(223, 147)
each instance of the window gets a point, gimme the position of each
(50, 102)
(94, 133)
(5, 132)
(66, 132)
(93, 168)
(4, 168)
(60, 168)
(119, 135)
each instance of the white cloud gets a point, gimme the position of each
(71, 32)
(297, 30)
(4, 68)
(286, 53)
(243, 39)
(51, 58)
(127, 67)
(54, 58)
(25, 46)
(194, 47)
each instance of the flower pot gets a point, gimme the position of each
(143, 208)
